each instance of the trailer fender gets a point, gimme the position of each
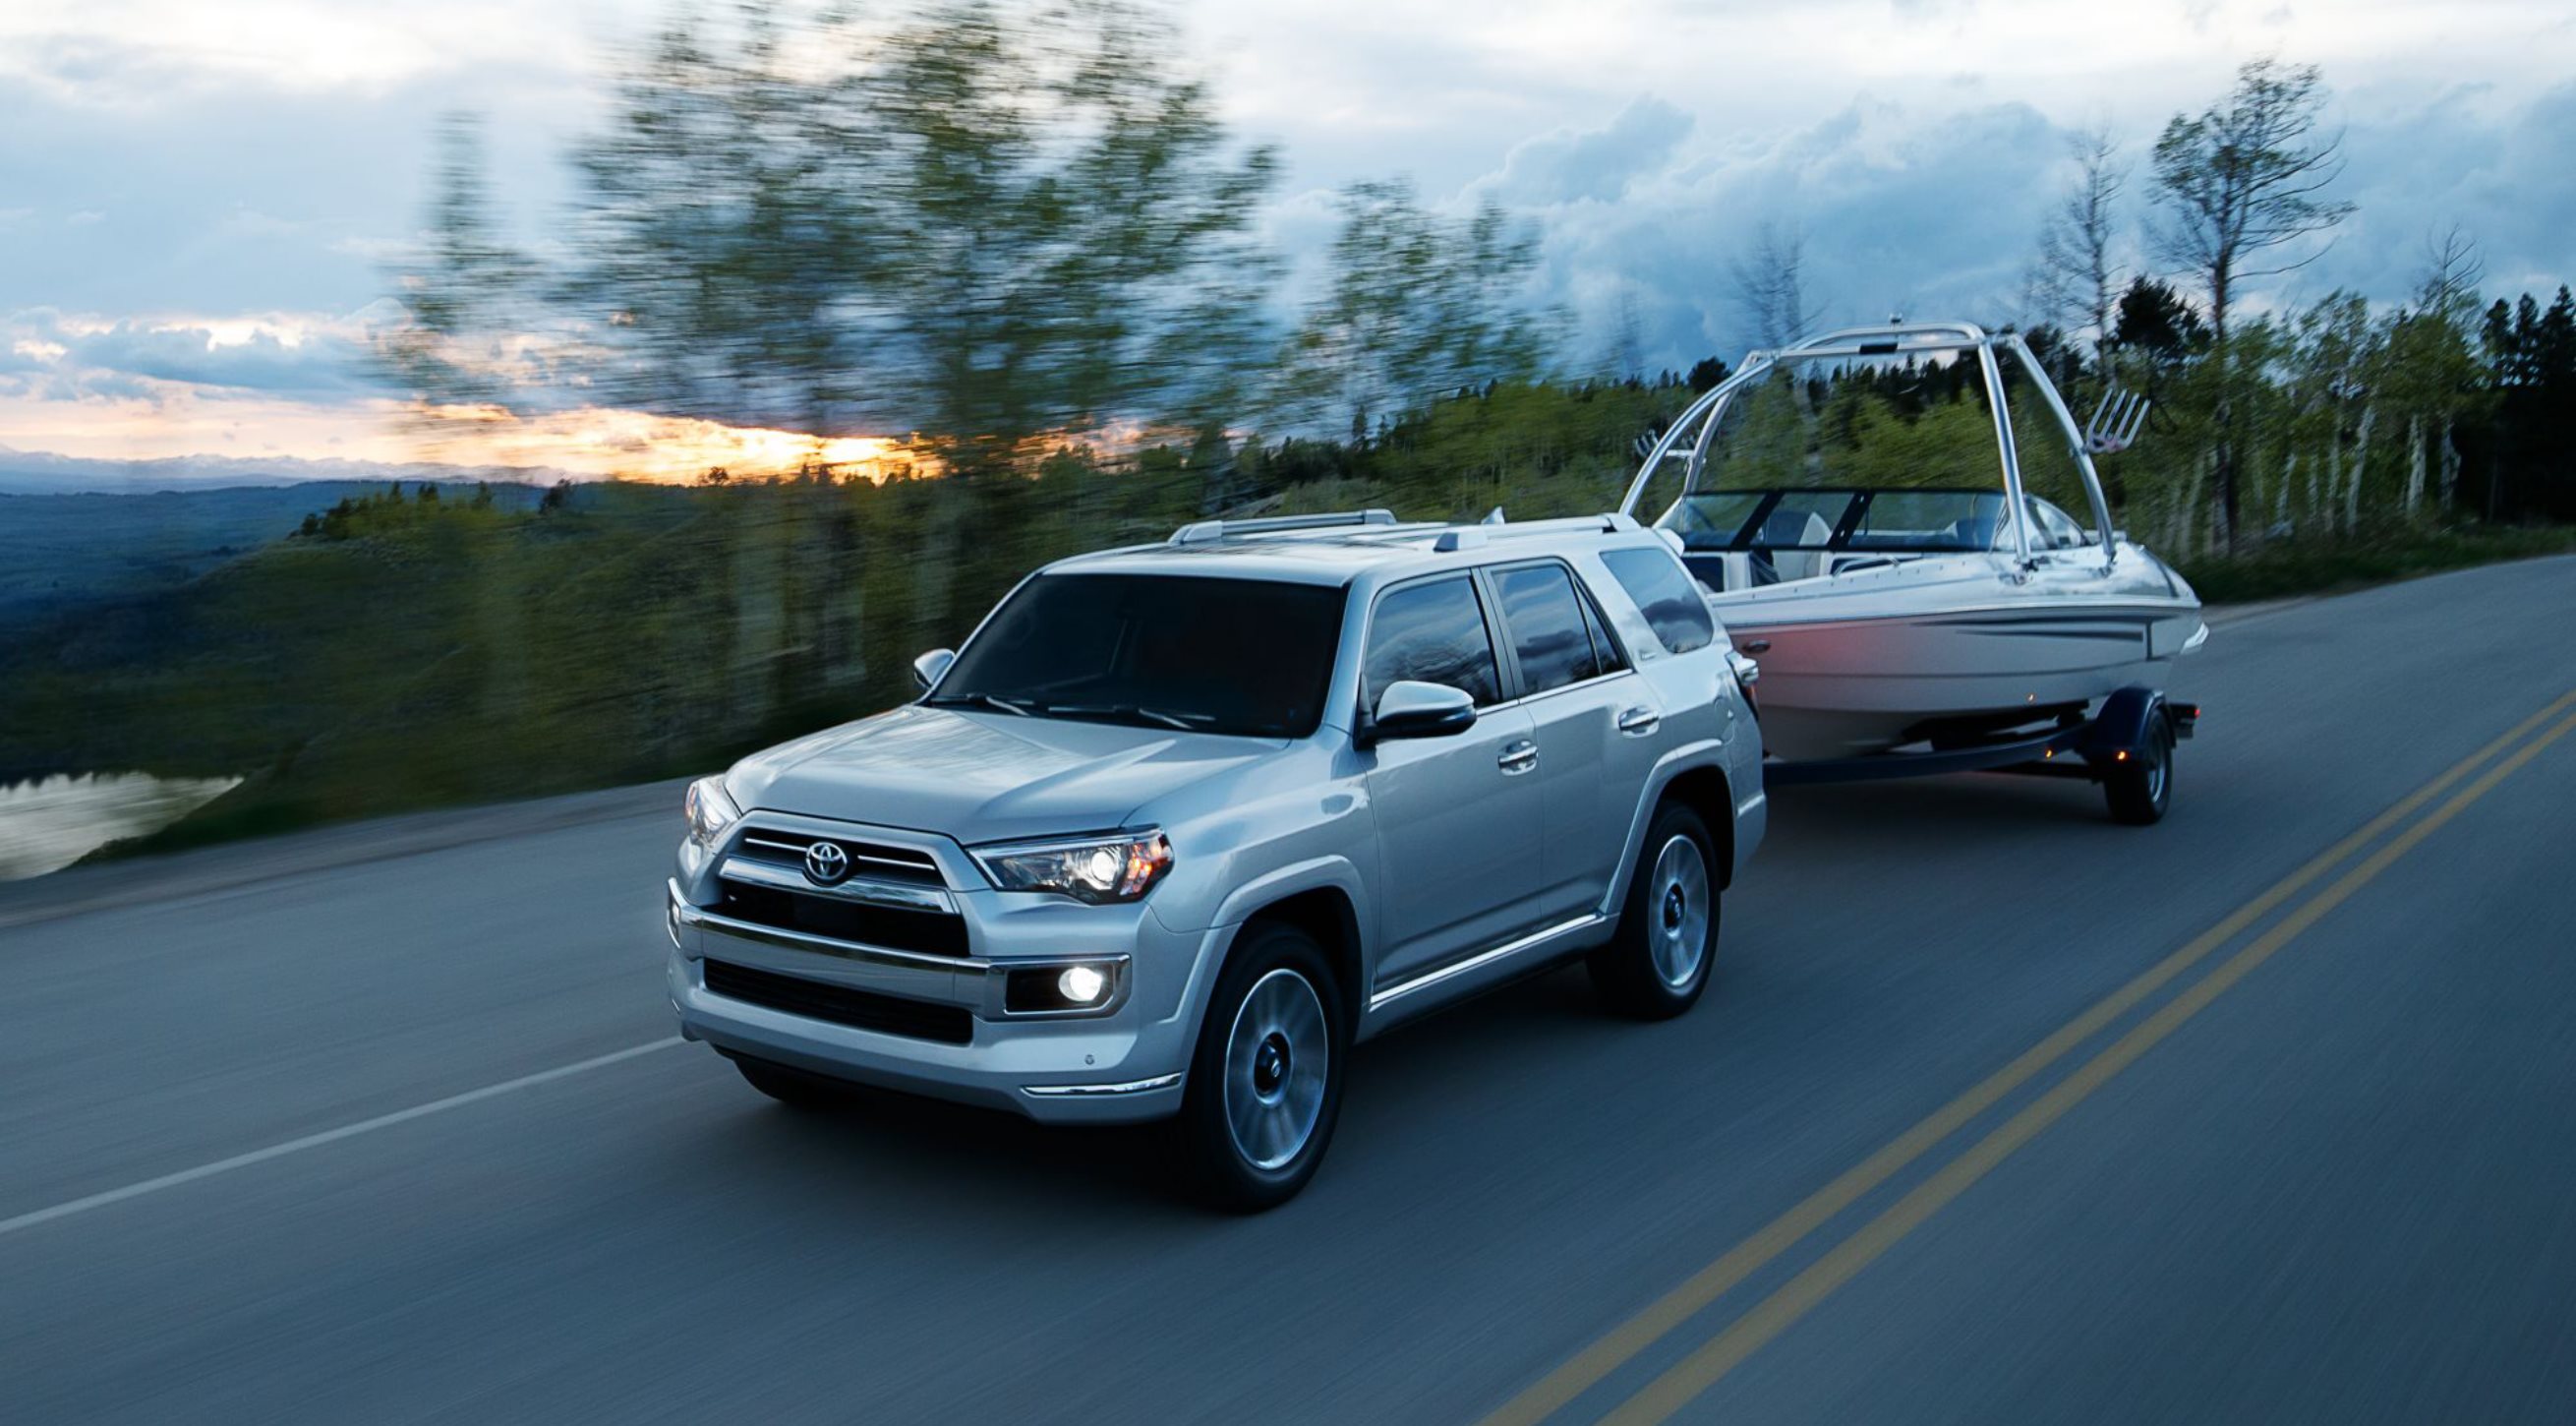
(2128, 718)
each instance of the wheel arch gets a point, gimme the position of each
(1706, 790)
(1328, 915)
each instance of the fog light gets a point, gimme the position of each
(1081, 984)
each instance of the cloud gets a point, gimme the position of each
(208, 190)
(1571, 165)
(1934, 211)
(55, 356)
(1901, 208)
(2500, 172)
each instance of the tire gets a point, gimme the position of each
(1265, 1085)
(2140, 788)
(1656, 964)
(812, 1093)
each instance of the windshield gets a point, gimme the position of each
(1912, 521)
(1241, 656)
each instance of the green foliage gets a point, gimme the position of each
(2293, 568)
(987, 228)
(1418, 307)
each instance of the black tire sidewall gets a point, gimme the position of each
(1216, 1167)
(2135, 794)
(1624, 968)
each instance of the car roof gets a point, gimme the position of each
(1353, 548)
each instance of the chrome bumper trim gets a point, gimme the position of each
(1160, 1081)
(704, 920)
(858, 888)
(982, 984)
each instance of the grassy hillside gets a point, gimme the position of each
(57, 551)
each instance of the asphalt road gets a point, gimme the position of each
(2319, 1166)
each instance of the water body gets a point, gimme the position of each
(51, 823)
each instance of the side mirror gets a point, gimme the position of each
(1410, 709)
(931, 667)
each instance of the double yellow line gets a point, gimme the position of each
(1703, 1366)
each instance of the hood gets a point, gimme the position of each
(982, 777)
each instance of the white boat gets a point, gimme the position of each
(1849, 504)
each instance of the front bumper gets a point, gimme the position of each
(1124, 1064)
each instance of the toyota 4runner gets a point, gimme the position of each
(1182, 822)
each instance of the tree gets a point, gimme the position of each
(2155, 319)
(2435, 373)
(466, 292)
(2077, 278)
(2530, 467)
(1770, 286)
(2238, 182)
(984, 229)
(1417, 305)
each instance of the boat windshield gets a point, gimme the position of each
(1914, 521)
(1877, 457)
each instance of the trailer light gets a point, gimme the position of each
(2121, 756)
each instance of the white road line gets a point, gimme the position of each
(327, 1136)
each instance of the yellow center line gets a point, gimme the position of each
(1695, 1373)
(1588, 1367)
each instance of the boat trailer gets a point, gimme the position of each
(2127, 747)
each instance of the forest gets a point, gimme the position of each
(1033, 251)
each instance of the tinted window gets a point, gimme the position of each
(1605, 650)
(1433, 633)
(1667, 596)
(1546, 625)
(1214, 655)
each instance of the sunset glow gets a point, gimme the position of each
(637, 445)
(174, 421)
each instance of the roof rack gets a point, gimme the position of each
(1493, 527)
(1567, 524)
(1206, 532)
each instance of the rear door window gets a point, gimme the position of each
(1665, 594)
(1545, 620)
(1605, 649)
(1432, 632)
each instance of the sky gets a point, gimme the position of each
(198, 203)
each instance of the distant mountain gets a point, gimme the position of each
(42, 472)
(61, 549)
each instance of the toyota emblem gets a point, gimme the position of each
(826, 863)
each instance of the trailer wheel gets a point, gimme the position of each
(2139, 787)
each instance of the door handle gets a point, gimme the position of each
(1639, 721)
(1756, 646)
(1518, 758)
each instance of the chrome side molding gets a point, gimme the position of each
(1481, 959)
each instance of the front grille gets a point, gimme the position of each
(869, 861)
(839, 1004)
(936, 933)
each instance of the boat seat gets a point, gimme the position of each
(1786, 530)
(1974, 531)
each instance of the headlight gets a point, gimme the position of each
(710, 811)
(1113, 869)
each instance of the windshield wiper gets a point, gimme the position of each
(1186, 722)
(1022, 706)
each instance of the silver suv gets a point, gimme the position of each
(1182, 822)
